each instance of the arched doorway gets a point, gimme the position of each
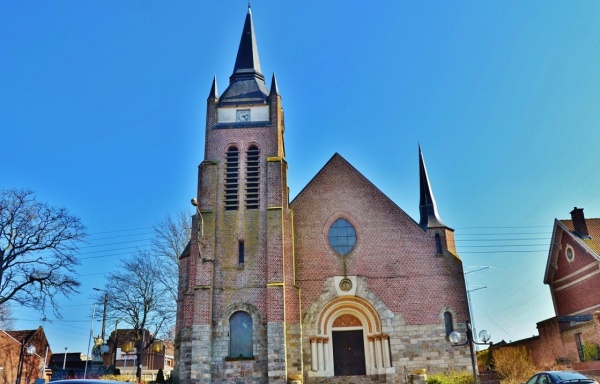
(348, 340)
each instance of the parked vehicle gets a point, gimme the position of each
(560, 377)
(88, 381)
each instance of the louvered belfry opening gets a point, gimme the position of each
(231, 178)
(252, 177)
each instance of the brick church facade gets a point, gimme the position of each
(339, 284)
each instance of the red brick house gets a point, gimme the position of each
(155, 356)
(573, 275)
(15, 361)
(338, 284)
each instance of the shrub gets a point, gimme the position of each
(590, 351)
(118, 377)
(454, 377)
(513, 364)
(485, 360)
(160, 377)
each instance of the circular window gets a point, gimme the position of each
(570, 253)
(342, 237)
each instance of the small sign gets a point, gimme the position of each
(126, 356)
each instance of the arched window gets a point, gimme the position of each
(438, 244)
(448, 323)
(231, 178)
(240, 335)
(252, 177)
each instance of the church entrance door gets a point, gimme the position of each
(348, 353)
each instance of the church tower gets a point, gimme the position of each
(238, 307)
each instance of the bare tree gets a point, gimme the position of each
(143, 291)
(140, 299)
(6, 320)
(171, 237)
(37, 245)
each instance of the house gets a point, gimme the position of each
(156, 355)
(23, 356)
(573, 276)
(338, 284)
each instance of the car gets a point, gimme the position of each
(87, 381)
(560, 377)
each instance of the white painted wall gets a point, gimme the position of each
(227, 115)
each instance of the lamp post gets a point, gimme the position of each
(126, 347)
(157, 347)
(22, 358)
(104, 313)
(115, 343)
(31, 351)
(197, 205)
(484, 335)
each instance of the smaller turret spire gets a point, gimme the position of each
(274, 88)
(427, 205)
(214, 93)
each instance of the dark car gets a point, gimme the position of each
(560, 377)
(87, 381)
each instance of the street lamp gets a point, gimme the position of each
(484, 335)
(126, 347)
(104, 313)
(195, 204)
(31, 351)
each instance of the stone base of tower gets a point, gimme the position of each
(194, 355)
(277, 353)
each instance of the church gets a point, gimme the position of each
(338, 285)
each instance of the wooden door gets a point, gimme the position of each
(348, 353)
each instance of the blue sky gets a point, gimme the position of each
(102, 110)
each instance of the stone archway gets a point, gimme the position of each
(351, 323)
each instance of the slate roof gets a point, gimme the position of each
(247, 83)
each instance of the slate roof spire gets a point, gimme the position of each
(274, 88)
(214, 93)
(246, 83)
(427, 205)
(247, 63)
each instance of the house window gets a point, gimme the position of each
(438, 244)
(231, 178)
(252, 177)
(241, 253)
(342, 237)
(240, 335)
(579, 346)
(448, 323)
(570, 254)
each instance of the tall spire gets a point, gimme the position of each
(427, 206)
(247, 62)
(247, 83)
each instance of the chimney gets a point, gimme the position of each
(579, 222)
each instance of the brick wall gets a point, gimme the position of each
(397, 258)
(574, 279)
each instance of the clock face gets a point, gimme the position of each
(242, 115)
